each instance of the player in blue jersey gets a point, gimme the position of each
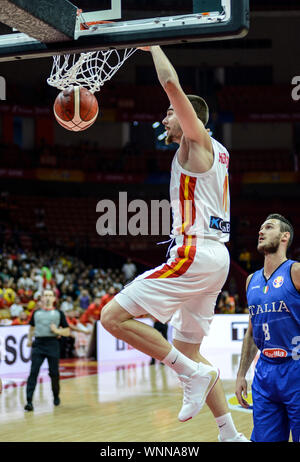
(273, 295)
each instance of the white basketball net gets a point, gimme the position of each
(90, 70)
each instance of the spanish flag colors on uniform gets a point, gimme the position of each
(186, 253)
(225, 193)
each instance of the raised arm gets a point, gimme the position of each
(192, 127)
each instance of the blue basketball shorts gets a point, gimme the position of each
(276, 401)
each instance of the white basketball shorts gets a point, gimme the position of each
(183, 290)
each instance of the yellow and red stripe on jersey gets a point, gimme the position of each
(225, 193)
(187, 201)
(186, 254)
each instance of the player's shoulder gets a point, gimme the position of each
(294, 267)
(295, 274)
(253, 276)
(34, 314)
(248, 280)
(219, 146)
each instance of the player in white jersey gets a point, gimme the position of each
(185, 288)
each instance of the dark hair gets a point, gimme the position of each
(201, 108)
(285, 225)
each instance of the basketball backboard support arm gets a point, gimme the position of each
(231, 22)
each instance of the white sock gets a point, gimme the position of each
(226, 426)
(180, 363)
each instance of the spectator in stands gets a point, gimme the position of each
(48, 280)
(117, 284)
(92, 313)
(38, 279)
(98, 292)
(84, 299)
(25, 281)
(16, 308)
(109, 296)
(24, 295)
(226, 304)
(31, 306)
(11, 258)
(24, 273)
(4, 274)
(14, 274)
(59, 275)
(9, 294)
(129, 270)
(20, 320)
(81, 331)
(67, 304)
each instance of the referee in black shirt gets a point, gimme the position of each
(46, 325)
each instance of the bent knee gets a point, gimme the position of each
(103, 313)
(106, 317)
(109, 318)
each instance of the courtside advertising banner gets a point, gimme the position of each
(14, 353)
(222, 347)
(110, 348)
(226, 331)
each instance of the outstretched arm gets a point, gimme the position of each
(191, 126)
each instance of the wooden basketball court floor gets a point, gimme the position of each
(109, 402)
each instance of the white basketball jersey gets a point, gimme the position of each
(200, 201)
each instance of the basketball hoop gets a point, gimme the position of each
(90, 70)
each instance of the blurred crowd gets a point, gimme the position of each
(81, 289)
(229, 303)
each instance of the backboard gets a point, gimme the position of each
(36, 29)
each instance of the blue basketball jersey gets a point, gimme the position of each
(274, 309)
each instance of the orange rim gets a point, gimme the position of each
(87, 25)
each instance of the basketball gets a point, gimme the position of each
(75, 108)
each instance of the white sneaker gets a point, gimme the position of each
(195, 390)
(239, 438)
